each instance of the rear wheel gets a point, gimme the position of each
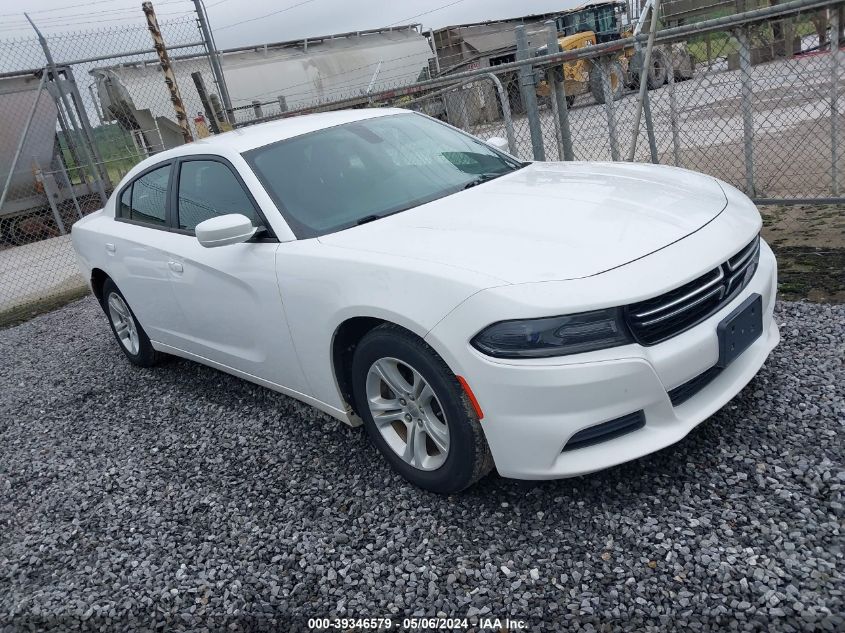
(131, 337)
(416, 412)
(659, 71)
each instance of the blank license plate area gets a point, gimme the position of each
(740, 329)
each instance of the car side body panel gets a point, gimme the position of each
(323, 286)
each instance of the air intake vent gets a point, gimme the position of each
(655, 320)
(606, 431)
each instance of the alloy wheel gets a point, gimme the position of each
(407, 413)
(124, 323)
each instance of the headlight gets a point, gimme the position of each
(554, 336)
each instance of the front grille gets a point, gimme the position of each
(660, 318)
(606, 431)
(684, 392)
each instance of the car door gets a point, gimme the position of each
(137, 262)
(229, 295)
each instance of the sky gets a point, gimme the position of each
(239, 23)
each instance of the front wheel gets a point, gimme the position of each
(416, 412)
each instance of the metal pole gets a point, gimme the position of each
(649, 128)
(51, 196)
(199, 83)
(434, 50)
(834, 98)
(256, 106)
(87, 132)
(644, 68)
(96, 103)
(558, 99)
(71, 144)
(747, 111)
(22, 139)
(69, 184)
(506, 112)
(169, 77)
(551, 85)
(673, 110)
(51, 65)
(529, 96)
(601, 67)
(214, 59)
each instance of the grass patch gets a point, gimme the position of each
(17, 315)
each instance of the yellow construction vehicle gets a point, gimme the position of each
(598, 22)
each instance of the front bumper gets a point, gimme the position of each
(532, 408)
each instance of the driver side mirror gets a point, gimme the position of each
(232, 228)
(499, 143)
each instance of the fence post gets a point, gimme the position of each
(834, 100)
(644, 62)
(214, 59)
(557, 96)
(601, 66)
(673, 109)
(747, 112)
(506, 112)
(169, 77)
(529, 96)
(199, 84)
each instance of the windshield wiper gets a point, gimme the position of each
(367, 218)
(480, 179)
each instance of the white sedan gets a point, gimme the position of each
(470, 309)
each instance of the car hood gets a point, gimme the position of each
(548, 221)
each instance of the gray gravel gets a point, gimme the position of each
(184, 499)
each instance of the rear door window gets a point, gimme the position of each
(147, 202)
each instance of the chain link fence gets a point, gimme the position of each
(71, 130)
(755, 100)
(768, 127)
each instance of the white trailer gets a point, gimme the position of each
(265, 80)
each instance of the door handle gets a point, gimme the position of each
(175, 266)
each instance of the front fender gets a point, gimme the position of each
(323, 286)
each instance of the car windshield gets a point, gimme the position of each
(338, 177)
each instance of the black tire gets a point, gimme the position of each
(468, 458)
(659, 71)
(146, 356)
(570, 99)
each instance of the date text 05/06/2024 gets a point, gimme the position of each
(418, 623)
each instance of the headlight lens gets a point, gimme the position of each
(554, 336)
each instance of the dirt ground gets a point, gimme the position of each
(809, 241)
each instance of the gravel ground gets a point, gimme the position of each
(184, 499)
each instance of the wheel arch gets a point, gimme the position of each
(98, 279)
(347, 335)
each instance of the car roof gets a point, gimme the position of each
(260, 134)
